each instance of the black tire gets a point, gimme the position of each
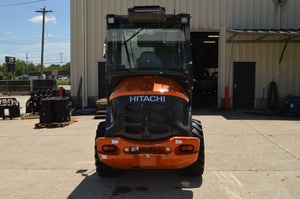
(29, 106)
(197, 168)
(102, 169)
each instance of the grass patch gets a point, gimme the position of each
(63, 82)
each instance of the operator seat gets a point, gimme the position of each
(149, 60)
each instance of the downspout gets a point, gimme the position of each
(85, 61)
(227, 88)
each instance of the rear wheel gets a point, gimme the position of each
(197, 168)
(101, 168)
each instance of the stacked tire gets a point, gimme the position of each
(46, 111)
(61, 109)
(54, 109)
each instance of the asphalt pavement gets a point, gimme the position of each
(247, 156)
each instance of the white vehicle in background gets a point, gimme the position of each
(24, 77)
(62, 78)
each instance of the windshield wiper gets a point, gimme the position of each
(126, 48)
(125, 42)
(135, 34)
(127, 53)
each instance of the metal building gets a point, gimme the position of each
(239, 44)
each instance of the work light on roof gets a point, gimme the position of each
(110, 20)
(184, 20)
(280, 2)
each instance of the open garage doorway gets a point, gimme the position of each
(205, 65)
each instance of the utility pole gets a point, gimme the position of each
(44, 11)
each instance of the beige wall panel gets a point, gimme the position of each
(290, 15)
(207, 15)
(91, 50)
(266, 56)
(262, 14)
(76, 45)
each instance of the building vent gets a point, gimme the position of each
(280, 2)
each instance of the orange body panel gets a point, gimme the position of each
(151, 85)
(152, 154)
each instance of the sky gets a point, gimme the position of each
(21, 30)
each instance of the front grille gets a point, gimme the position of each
(135, 107)
(134, 117)
(160, 117)
(148, 120)
(134, 129)
(159, 129)
(159, 107)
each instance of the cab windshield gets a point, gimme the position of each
(144, 49)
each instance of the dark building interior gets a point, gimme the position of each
(205, 64)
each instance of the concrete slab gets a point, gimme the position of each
(289, 143)
(155, 184)
(17, 127)
(214, 184)
(244, 159)
(219, 125)
(246, 152)
(48, 152)
(51, 183)
(273, 127)
(249, 184)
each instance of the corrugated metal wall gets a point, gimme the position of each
(266, 55)
(262, 14)
(207, 15)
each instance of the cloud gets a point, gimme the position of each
(50, 35)
(2, 57)
(9, 33)
(20, 55)
(39, 19)
(54, 46)
(51, 52)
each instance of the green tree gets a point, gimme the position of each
(3, 70)
(31, 67)
(53, 67)
(67, 66)
(37, 67)
(20, 68)
(2, 67)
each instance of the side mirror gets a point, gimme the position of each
(104, 50)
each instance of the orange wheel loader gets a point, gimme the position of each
(149, 84)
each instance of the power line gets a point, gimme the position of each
(23, 3)
(61, 57)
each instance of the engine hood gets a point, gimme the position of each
(148, 88)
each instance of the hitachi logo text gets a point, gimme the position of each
(147, 98)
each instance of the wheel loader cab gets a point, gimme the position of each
(148, 42)
(149, 85)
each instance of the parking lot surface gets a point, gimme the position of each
(247, 156)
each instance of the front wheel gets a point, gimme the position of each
(197, 168)
(101, 168)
